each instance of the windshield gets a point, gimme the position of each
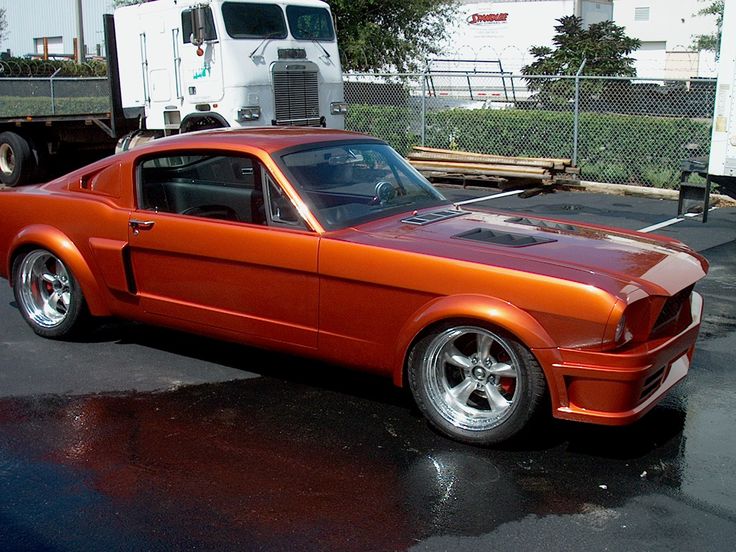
(310, 23)
(352, 183)
(253, 20)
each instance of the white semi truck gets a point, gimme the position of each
(182, 65)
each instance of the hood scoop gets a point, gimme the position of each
(506, 239)
(543, 223)
(434, 216)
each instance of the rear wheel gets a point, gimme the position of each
(17, 163)
(47, 294)
(475, 385)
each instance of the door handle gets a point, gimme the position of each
(138, 225)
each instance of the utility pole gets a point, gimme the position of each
(80, 33)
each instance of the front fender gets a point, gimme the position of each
(490, 310)
(58, 243)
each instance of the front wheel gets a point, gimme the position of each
(475, 385)
(47, 294)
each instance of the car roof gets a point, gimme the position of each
(268, 139)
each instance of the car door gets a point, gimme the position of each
(205, 248)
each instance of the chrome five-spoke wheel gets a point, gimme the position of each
(474, 384)
(46, 293)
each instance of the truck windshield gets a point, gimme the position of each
(253, 20)
(308, 23)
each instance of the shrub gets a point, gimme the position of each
(632, 149)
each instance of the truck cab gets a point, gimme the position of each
(188, 64)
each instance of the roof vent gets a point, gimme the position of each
(506, 239)
(434, 216)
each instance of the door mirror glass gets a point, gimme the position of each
(199, 23)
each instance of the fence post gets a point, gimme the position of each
(51, 87)
(424, 107)
(576, 117)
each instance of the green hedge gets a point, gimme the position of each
(396, 125)
(631, 149)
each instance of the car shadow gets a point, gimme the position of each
(661, 427)
(266, 363)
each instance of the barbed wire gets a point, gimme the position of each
(35, 68)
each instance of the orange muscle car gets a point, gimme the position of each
(327, 243)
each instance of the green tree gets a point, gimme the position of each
(373, 34)
(710, 41)
(3, 25)
(604, 46)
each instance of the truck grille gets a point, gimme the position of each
(296, 96)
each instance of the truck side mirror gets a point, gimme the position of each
(198, 15)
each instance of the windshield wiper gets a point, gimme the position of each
(323, 48)
(269, 36)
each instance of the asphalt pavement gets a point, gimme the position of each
(138, 438)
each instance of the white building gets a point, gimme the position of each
(666, 30)
(505, 30)
(32, 21)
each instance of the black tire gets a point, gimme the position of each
(475, 385)
(47, 294)
(17, 162)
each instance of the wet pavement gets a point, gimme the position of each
(144, 439)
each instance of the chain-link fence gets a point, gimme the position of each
(44, 97)
(633, 131)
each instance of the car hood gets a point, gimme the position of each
(608, 258)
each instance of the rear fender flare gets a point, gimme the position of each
(48, 237)
(481, 308)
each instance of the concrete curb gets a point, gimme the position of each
(716, 200)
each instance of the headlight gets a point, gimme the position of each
(249, 113)
(338, 108)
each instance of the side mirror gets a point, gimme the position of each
(198, 25)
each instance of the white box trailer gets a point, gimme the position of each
(720, 165)
(722, 159)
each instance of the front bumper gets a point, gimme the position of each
(618, 388)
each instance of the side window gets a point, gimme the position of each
(225, 187)
(186, 26)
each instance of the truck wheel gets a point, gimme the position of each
(17, 164)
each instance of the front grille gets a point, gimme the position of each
(672, 308)
(296, 97)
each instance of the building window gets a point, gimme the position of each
(641, 14)
(53, 45)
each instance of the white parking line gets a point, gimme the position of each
(671, 221)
